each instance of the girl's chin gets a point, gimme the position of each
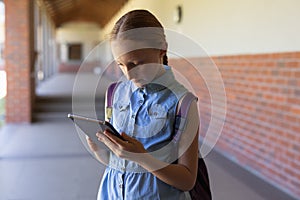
(139, 83)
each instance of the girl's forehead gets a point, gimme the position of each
(121, 47)
(137, 55)
(138, 38)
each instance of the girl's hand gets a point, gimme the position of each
(91, 144)
(126, 149)
(101, 154)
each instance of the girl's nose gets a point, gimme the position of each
(131, 72)
(131, 69)
(130, 66)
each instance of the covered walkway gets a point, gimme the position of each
(46, 160)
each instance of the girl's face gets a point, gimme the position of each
(140, 66)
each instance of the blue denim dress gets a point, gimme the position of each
(148, 115)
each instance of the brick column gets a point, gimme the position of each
(19, 56)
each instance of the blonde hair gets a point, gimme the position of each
(141, 25)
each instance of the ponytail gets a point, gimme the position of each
(165, 59)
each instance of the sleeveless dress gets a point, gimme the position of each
(148, 115)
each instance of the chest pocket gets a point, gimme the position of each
(120, 114)
(158, 118)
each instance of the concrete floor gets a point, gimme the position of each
(48, 161)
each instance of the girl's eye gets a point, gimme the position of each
(134, 64)
(131, 65)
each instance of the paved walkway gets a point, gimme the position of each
(48, 161)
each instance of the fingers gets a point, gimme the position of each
(88, 139)
(126, 137)
(114, 138)
(112, 141)
(91, 144)
(127, 148)
(108, 141)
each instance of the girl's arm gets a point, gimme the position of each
(181, 175)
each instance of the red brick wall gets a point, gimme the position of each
(73, 67)
(19, 60)
(262, 126)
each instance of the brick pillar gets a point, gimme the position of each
(19, 56)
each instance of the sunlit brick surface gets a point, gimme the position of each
(262, 126)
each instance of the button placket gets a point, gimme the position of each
(123, 163)
(120, 184)
(137, 101)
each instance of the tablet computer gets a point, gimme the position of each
(91, 126)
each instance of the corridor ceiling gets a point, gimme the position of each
(98, 11)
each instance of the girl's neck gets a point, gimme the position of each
(161, 72)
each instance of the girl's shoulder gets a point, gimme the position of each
(120, 91)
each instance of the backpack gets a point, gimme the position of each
(201, 189)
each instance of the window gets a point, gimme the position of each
(74, 51)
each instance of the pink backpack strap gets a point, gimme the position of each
(201, 189)
(109, 99)
(181, 115)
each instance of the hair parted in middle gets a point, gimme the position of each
(141, 25)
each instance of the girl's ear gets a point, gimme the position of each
(162, 53)
(162, 56)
